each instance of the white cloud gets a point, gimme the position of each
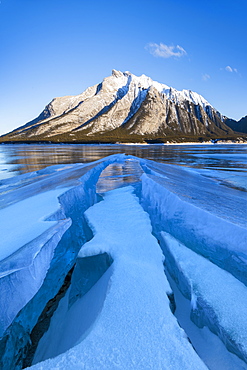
(230, 69)
(205, 77)
(165, 51)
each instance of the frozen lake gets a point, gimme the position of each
(225, 163)
(185, 208)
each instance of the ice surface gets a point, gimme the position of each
(24, 221)
(208, 345)
(135, 328)
(196, 211)
(218, 300)
(22, 274)
(24, 186)
(24, 226)
(43, 255)
(78, 310)
(118, 314)
(194, 188)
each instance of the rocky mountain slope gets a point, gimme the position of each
(239, 126)
(124, 107)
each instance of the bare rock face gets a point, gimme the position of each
(123, 101)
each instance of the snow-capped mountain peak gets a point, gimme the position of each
(178, 97)
(130, 104)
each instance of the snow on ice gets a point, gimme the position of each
(135, 325)
(118, 310)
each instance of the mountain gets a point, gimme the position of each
(124, 107)
(238, 126)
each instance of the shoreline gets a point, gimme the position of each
(159, 141)
(220, 142)
(186, 143)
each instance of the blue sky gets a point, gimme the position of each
(52, 48)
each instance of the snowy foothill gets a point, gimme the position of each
(166, 243)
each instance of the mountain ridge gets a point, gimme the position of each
(239, 126)
(124, 107)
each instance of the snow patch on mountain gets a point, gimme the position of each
(176, 96)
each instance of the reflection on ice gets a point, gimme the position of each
(119, 174)
(19, 159)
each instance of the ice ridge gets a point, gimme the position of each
(218, 300)
(135, 327)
